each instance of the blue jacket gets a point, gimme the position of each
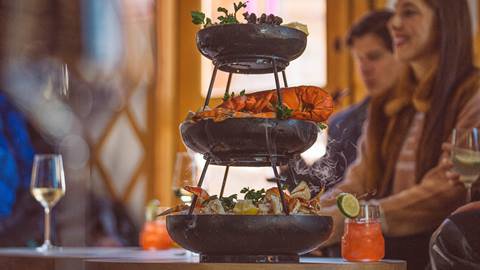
(16, 155)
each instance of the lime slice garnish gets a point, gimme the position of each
(348, 205)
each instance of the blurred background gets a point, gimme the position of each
(134, 73)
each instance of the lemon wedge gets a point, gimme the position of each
(245, 207)
(299, 26)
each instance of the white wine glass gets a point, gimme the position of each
(466, 157)
(185, 174)
(47, 187)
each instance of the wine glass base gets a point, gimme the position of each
(47, 246)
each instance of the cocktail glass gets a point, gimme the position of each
(363, 240)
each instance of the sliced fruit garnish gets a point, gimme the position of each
(245, 207)
(348, 205)
(299, 26)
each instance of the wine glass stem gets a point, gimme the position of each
(47, 226)
(469, 193)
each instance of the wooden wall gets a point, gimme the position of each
(477, 37)
(178, 88)
(340, 72)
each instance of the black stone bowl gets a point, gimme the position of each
(237, 235)
(249, 141)
(249, 48)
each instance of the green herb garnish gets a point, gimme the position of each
(230, 18)
(242, 93)
(199, 18)
(208, 22)
(229, 202)
(228, 96)
(322, 126)
(239, 6)
(255, 195)
(283, 112)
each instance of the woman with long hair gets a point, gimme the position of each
(400, 156)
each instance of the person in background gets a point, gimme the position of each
(399, 164)
(33, 45)
(371, 46)
(21, 216)
(19, 212)
(372, 49)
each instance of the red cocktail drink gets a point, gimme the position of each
(362, 239)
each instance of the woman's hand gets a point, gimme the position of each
(446, 163)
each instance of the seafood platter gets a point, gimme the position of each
(268, 128)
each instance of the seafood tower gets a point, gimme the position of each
(267, 128)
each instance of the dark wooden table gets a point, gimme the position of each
(133, 259)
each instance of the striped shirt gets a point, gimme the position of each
(404, 175)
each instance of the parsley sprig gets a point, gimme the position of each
(283, 112)
(255, 195)
(229, 202)
(199, 18)
(322, 126)
(228, 96)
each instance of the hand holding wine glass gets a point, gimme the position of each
(465, 155)
(47, 186)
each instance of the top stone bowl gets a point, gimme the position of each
(251, 48)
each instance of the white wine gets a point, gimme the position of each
(48, 197)
(467, 164)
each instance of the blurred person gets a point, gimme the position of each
(399, 164)
(31, 43)
(100, 220)
(20, 216)
(372, 49)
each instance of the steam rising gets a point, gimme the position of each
(326, 171)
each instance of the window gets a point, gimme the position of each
(308, 69)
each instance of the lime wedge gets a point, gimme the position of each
(348, 205)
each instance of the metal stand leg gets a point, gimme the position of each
(210, 87)
(200, 182)
(228, 84)
(284, 78)
(224, 179)
(292, 179)
(279, 185)
(277, 81)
